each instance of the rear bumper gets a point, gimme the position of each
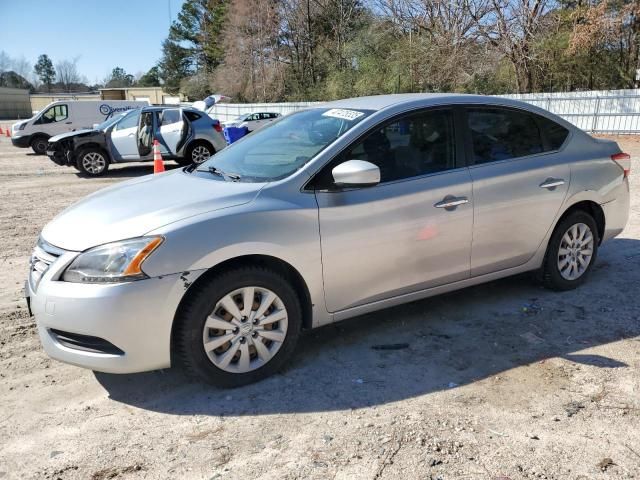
(616, 212)
(21, 142)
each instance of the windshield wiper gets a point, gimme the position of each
(229, 177)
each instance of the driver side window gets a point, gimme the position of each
(410, 146)
(55, 114)
(129, 121)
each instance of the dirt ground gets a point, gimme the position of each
(502, 381)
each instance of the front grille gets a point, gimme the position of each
(41, 259)
(85, 343)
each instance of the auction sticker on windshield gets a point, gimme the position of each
(343, 114)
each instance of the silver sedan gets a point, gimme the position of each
(327, 213)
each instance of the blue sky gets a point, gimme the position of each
(103, 34)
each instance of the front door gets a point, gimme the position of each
(410, 232)
(123, 137)
(519, 184)
(56, 120)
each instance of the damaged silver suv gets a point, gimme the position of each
(186, 135)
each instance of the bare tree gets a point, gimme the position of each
(5, 61)
(67, 73)
(513, 26)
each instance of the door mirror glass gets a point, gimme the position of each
(356, 173)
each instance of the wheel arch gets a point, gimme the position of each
(35, 136)
(592, 208)
(267, 261)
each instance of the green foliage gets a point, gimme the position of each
(151, 78)
(196, 87)
(45, 71)
(119, 79)
(11, 79)
(174, 65)
(275, 50)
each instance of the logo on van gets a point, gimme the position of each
(108, 111)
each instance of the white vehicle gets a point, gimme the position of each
(252, 121)
(65, 116)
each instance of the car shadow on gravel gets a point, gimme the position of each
(130, 170)
(436, 344)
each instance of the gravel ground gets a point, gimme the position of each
(501, 381)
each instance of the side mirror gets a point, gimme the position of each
(356, 173)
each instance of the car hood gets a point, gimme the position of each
(75, 133)
(133, 208)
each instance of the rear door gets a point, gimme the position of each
(146, 133)
(123, 137)
(172, 131)
(519, 183)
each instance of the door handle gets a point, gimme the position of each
(552, 183)
(68, 123)
(131, 135)
(451, 202)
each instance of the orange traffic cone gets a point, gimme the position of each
(158, 164)
(8, 132)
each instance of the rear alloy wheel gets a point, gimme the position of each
(571, 252)
(39, 145)
(93, 162)
(196, 153)
(239, 327)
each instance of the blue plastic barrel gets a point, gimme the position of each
(233, 134)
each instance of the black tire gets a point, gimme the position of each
(83, 163)
(552, 278)
(200, 304)
(39, 144)
(188, 158)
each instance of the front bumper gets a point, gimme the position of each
(136, 317)
(21, 142)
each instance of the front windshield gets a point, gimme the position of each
(110, 121)
(278, 150)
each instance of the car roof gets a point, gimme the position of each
(380, 102)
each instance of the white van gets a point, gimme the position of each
(65, 116)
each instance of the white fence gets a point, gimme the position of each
(229, 111)
(599, 111)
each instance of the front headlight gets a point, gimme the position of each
(112, 262)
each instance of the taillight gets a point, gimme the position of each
(217, 127)
(624, 160)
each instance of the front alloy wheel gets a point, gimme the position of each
(238, 326)
(93, 162)
(245, 330)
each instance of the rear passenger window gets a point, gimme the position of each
(170, 116)
(193, 116)
(554, 133)
(502, 134)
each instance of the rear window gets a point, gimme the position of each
(193, 116)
